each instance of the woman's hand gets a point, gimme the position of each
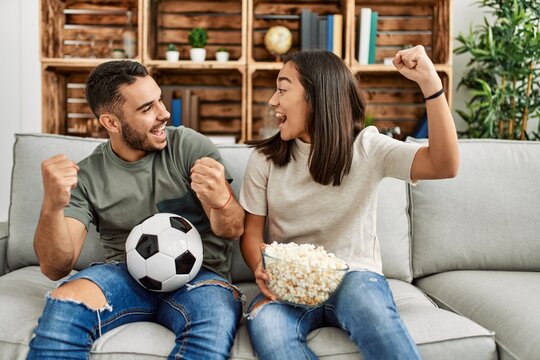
(261, 277)
(415, 65)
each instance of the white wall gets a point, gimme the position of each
(465, 12)
(20, 82)
(20, 77)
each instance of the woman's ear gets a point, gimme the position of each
(110, 122)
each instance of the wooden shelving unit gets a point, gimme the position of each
(232, 97)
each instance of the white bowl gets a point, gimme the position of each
(300, 284)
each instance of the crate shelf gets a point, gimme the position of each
(79, 35)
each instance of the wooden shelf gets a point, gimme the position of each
(262, 65)
(73, 64)
(190, 65)
(170, 21)
(391, 69)
(233, 95)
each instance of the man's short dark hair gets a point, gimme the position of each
(103, 85)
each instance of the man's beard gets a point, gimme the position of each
(136, 140)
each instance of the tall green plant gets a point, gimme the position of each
(504, 71)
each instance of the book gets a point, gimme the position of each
(329, 32)
(321, 32)
(194, 113)
(364, 29)
(305, 31)
(308, 30)
(337, 43)
(176, 112)
(373, 37)
(185, 95)
(421, 130)
(166, 98)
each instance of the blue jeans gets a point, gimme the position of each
(362, 306)
(204, 315)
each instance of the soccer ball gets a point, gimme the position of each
(164, 252)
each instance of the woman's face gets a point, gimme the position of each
(290, 104)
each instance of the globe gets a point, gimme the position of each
(278, 40)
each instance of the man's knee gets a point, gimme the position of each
(83, 291)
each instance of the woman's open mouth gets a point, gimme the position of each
(281, 118)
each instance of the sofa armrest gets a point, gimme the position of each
(3, 246)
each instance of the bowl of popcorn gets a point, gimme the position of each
(302, 274)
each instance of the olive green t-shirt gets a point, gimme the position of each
(116, 195)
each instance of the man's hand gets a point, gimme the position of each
(58, 240)
(208, 182)
(415, 65)
(59, 177)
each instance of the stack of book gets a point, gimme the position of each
(183, 106)
(367, 36)
(323, 32)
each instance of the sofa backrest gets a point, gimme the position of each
(488, 217)
(29, 151)
(27, 192)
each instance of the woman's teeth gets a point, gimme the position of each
(281, 117)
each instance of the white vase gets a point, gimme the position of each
(172, 55)
(197, 54)
(222, 56)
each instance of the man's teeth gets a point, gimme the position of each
(159, 130)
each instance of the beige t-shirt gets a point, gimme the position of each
(340, 218)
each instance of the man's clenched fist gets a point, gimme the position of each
(59, 177)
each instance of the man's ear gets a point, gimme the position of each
(110, 122)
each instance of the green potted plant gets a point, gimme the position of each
(172, 53)
(503, 72)
(198, 38)
(222, 55)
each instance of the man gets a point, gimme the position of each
(143, 169)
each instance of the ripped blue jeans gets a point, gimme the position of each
(362, 306)
(204, 315)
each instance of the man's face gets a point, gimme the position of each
(144, 116)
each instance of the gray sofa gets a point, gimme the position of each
(462, 257)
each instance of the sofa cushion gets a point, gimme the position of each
(3, 246)
(393, 229)
(487, 218)
(22, 295)
(29, 151)
(439, 333)
(505, 302)
(235, 158)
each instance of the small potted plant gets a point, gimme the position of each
(222, 55)
(172, 53)
(198, 38)
(118, 53)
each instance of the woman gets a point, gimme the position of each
(316, 182)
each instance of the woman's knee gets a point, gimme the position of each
(277, 331)
(271, 319)
(81, 291)
(365, 294)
